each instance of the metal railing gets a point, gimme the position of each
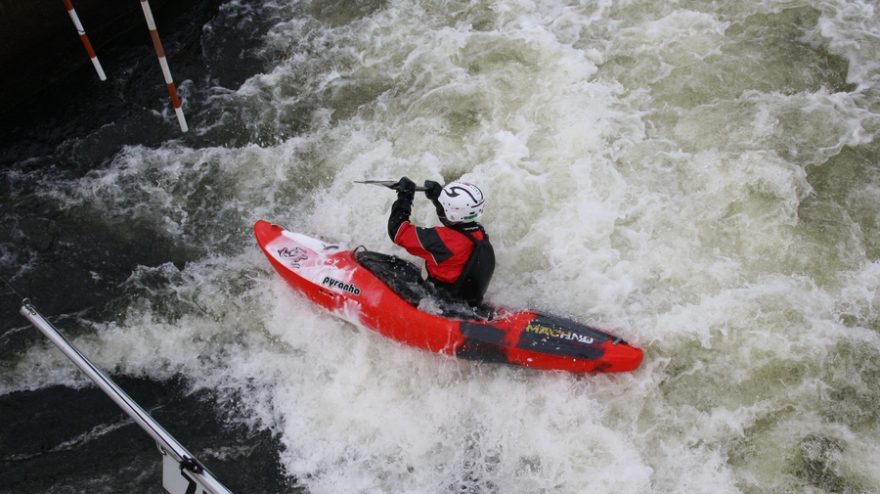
(181, 472)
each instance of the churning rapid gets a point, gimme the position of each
(701, 178)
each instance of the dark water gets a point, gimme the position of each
(61, 439)
(71, 265)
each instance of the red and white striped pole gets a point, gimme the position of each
(85, 40)
(160, 52)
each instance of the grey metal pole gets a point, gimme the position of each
(166, 441)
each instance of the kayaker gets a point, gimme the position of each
(458, 256)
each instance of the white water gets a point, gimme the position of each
(701, 178)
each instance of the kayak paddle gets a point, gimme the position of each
(391, 184)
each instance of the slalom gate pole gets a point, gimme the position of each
(160, 52)
(85, 40)
(181, 472)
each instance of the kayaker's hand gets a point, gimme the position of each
(432, 189)
(405, 187)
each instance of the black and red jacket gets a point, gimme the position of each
(459, 258)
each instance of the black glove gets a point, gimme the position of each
(402, 207)
(405, 186)
(432, 189)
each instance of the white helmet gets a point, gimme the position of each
(462, 202)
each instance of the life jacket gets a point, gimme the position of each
(434, 246)
(474, 280)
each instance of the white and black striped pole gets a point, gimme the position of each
(85, 40)
(160, 52)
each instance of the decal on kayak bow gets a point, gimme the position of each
(333, 283)
(293, 256)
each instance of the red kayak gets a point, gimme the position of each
(385, 293)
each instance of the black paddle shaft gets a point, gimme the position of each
(391, 184)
